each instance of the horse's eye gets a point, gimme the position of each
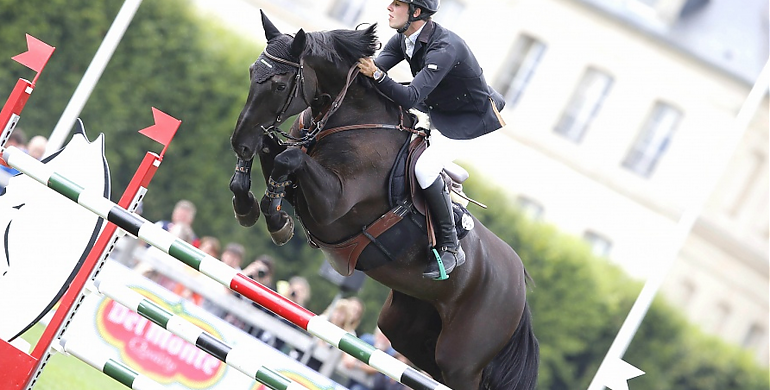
(280, 87)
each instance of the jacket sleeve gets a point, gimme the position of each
(391, 54)
(438, 63)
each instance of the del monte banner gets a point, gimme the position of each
(109, 328)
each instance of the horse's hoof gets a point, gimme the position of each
(249, 218)
(284, 234)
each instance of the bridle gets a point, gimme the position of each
(296, 89)
(317, 125)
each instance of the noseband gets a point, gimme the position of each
(285, 139)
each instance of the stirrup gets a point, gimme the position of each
(442, 275)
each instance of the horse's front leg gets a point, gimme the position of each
(321, 188)
(244, 203)
(279, 223)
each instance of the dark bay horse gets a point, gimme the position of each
(472, 331)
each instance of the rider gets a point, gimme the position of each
(449, 85)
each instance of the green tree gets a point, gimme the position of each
(187, 66)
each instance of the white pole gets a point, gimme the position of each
(92, 75)
(684, 227)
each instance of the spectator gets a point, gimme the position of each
(384, 382)
(210, 246)
(181, 231)
(261, 270)
(296, 290)
(19, 140)
(357, 309)
(344, 313)
(183, 213)
(36, 146)
(379, 341)
(233, 255)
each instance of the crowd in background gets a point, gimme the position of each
(346, 313)
(35, 147)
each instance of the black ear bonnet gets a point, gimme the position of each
(279, 47)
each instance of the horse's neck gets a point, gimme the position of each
(362, 105)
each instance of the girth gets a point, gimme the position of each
(343, 256)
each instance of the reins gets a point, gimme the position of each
(315, 131)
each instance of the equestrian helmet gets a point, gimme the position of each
(429, 6)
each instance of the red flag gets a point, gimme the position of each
(163, 130)
(37, 54)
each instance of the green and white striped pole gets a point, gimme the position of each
(217, 270)
(114, 369)
(239, 358)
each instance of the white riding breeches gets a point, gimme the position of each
(439, 155)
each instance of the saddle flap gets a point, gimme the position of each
(416, 148)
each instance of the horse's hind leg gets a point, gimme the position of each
(412, 326)
(476, 335)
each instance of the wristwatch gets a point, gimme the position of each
(378, 75)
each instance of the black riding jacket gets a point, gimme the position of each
(448, 83)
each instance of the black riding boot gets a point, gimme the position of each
(447, 245)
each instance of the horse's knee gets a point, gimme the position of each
(287, 161)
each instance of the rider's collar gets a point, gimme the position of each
(416, 34)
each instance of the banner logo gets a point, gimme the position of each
(154, 351)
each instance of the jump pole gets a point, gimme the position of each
(237, 357)
(217, 270)
(112, 368)
(71, 300)
(121, 373)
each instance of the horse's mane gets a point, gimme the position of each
(342, 47)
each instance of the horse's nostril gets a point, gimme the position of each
(245, 152)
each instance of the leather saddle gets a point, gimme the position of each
(386, 238)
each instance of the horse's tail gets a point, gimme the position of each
(515, 367)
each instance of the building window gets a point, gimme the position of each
(347, 11)
(450, 12)
(753, 337)
(716, 318)
(653, 139)
(644, 8)
(599, 244)
(530, 207)
(686, 293)
(519, 67)
(584, 104)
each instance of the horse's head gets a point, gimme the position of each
(293, 73)
(279, 89)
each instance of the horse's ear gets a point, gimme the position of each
(270, 30)
(298, 45)
(371, 36)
